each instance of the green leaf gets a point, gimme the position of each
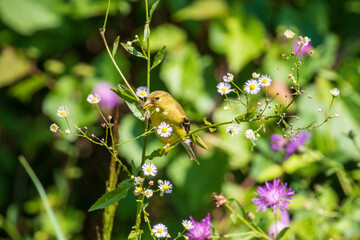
(197, 140)
(134, 168)
(130, 101)
(154, 154)
(115, 46)
(282, 233)
(146, 32)
(159, 57)
(132, 50)
(153, 7)
(212, 129)
(239, 118)
(132, 235)
(111, 197)
(239, 209)
(233, 218)
(207, 122)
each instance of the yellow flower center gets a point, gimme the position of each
(234, 128)
(252, 86)
(160, 230)
(143, 93)
(138, 189)
(229, 78)
(164, 129)
(165, 187)
(95, 99)
(149, 169)
(53, 127)
(63, 113)
(264, 80)
(224, 89)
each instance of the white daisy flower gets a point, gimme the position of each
(188, 224)
(249, 134)
(142, 92)
(305, 41)
(166, 186)
(149, 193)
(54, 127)
(138, 190)
(228, 77)
(160, 230)
(335, 92)
(164, 130)
(289, 34)
(252, 86)
(149, 169)
(224, 88)
(255, 75)
(139, 180)
(93, 98)
(265, 80)
(233, 128)
(63, 111)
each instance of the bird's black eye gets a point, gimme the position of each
(157, 98)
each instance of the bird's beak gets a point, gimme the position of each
(148, 104)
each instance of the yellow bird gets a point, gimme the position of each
(166, 112)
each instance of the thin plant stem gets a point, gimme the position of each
(106, 16)
(44, 199)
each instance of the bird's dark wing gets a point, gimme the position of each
(186, 125)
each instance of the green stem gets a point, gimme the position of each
(106, 16)
(232, 235)
(116, 66)
(257, 231)
(43, 197)
(9, 228)
(148, 46)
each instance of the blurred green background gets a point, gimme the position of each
(51, 54)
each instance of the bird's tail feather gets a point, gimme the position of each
(187, 145)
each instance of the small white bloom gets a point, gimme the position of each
(164, 130)
(265, 80)
(67, 131)
(255, 75)
(157, 109)
(149, 169)
(289, 34)
(93, 98)
(224, 88)
(148, 193)
(188, 224)
(305, 41)
(138, 190)
(249, 134)
(335, 92)
(54, 127)
(139, 180)
(233, 128)
(166, 186)
(226, 108)
(228, 77)
(252, 86)
(142, 92)
(63, 111)
(160, 230)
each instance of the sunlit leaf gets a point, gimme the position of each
(153, 7)
(115, 46)
(132, 50)
(198, 141)
(110, 198)
(282, 233)
(159, 57)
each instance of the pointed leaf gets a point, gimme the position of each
(212, 129)
(153, 7)
(239, 209)
(110, 198)
(154, 154)
(132, 50)
(115, 46)
(130, 100)
(207, 122)
(159, 57)
(198, 141)
(124, 94)
(282, 233)
(136, 110)
(146, 32)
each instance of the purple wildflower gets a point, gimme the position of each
(273, 196)
(201, 230)
(276, 227)
(289, 145)
(108, 97)
(304, 50)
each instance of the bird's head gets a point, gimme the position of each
(157, 99)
